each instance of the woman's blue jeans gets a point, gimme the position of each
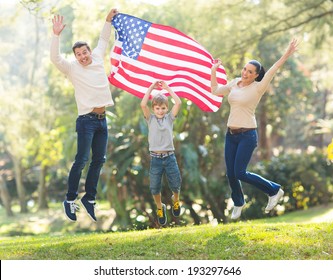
(238, 152)
(92, 134)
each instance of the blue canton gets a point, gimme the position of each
(131, 31)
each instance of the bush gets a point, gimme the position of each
(305, 178)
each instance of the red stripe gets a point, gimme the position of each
(170, 29)
(172, 42)
(197, 101)
(161, 76)
(118, 84)
(179, 56)
(165, 66)
(182, 94)
(198, 63)
(171, 67)
(210, 100)
(146, 84)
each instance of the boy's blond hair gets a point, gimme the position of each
(159, 99)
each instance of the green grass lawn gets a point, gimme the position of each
(302, 235)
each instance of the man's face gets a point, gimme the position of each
(83, 55)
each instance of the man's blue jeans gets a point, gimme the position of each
(238, 151)
(92, 134)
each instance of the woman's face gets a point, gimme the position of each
(249, 73)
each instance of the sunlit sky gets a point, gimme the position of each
(156, 2)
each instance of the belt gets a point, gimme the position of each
(161, 155)
(239, 130)
(96, 115)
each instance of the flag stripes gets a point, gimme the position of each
(162, 53)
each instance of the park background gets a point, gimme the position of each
(38, 112)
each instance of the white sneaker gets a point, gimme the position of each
(273, 200)
(236, 212)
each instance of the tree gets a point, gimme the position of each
(5, 197)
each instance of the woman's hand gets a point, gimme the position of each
(217, 63)
(292, 48)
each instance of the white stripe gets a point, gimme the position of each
(147, 77)
(171, 73)
(124, 81)
(175, 80)
(176, 37)
(138, 88)
(198, 96)
(174, 49)
(155, 69)
(174, 62)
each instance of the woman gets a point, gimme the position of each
(241, 139)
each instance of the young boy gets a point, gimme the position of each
(160, 138)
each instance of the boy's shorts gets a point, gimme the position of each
(169, 166)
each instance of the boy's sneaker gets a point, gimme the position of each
(70, 208)
(89, 206)
(175, 209)
(161, 215)
(273, 200)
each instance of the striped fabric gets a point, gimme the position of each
(144, 52)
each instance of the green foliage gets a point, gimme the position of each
(306, 179)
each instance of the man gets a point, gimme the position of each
(92, 95)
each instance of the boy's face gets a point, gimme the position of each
(160, 110)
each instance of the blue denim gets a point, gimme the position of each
(169, 166)
(92, 134)
(238, 151)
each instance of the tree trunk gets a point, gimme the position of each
(42, 190)
(117, 197)
(5, 197)
(264, 150)
(19, 184)
(193, 214)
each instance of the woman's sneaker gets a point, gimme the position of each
(70, 209)
(175, 209)
(273, 200)
(161, 215)
(236, 212)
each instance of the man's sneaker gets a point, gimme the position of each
(273, 200)
(161, 215)
(237, 211)
(175, 209)
(89, 206)
(70, 208)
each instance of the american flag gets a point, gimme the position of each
(145, 52)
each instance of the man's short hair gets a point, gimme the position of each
(80, 44)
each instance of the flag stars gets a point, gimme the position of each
(133, 32)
